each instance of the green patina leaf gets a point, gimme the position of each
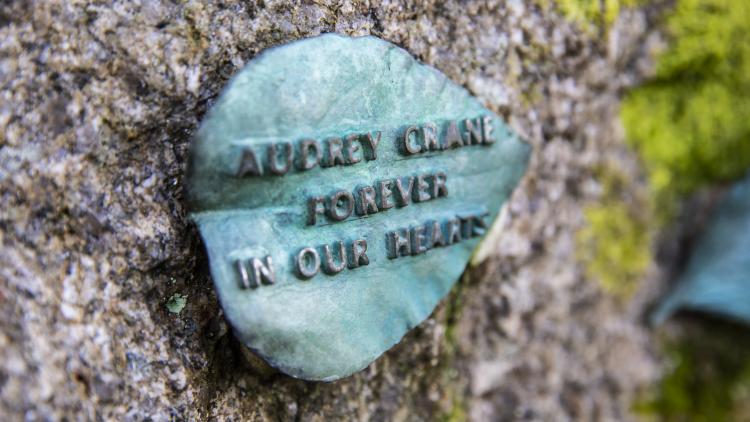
(717, 276)
(329, 326)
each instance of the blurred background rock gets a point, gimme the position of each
(637, 111)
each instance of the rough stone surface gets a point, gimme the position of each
(99, 103)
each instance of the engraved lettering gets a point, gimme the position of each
(410, 148)
(430, 137)
(467, 225)
(308, 263)
(436, 235)
(418, 240)
(335, 152)
(404, 194)
(479, 226)
(386, 194)
(351, 148)
(366, 204)
(399, 243)
(473, 131)
(438, 185)
(262, 272)
(487, 130)
(245, 280)
(359, 254)
(381, 196)
(454, 231)
(329, 266)
(282, 157)
(249, 165)
(420, 191)
(313, 209)
(452, 137)
(372, 144)
(306, 146)
(341, 200)
(273, 159)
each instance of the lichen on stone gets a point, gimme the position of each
(591, 14)
(615, 243)
(690, 124)
(176, 303)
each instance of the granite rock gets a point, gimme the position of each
(99, 103)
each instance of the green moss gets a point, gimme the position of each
(454, 409)
(691, 128)
(592, 14)
(457, 413)
(690, 124)
(709, 379)
(453, 309)
(453, 378)
(176, 303)
(615, 244)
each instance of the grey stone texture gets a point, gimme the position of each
(99, 102)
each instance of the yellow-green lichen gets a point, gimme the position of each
(615, 244)
(592, 14)
(455, 404)
(457, 412)
(690, 125)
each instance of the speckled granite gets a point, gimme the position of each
(99, 103)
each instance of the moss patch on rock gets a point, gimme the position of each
(710, 375)
(614, 246)
(592, 14)
(176, 303)
(690, 124)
